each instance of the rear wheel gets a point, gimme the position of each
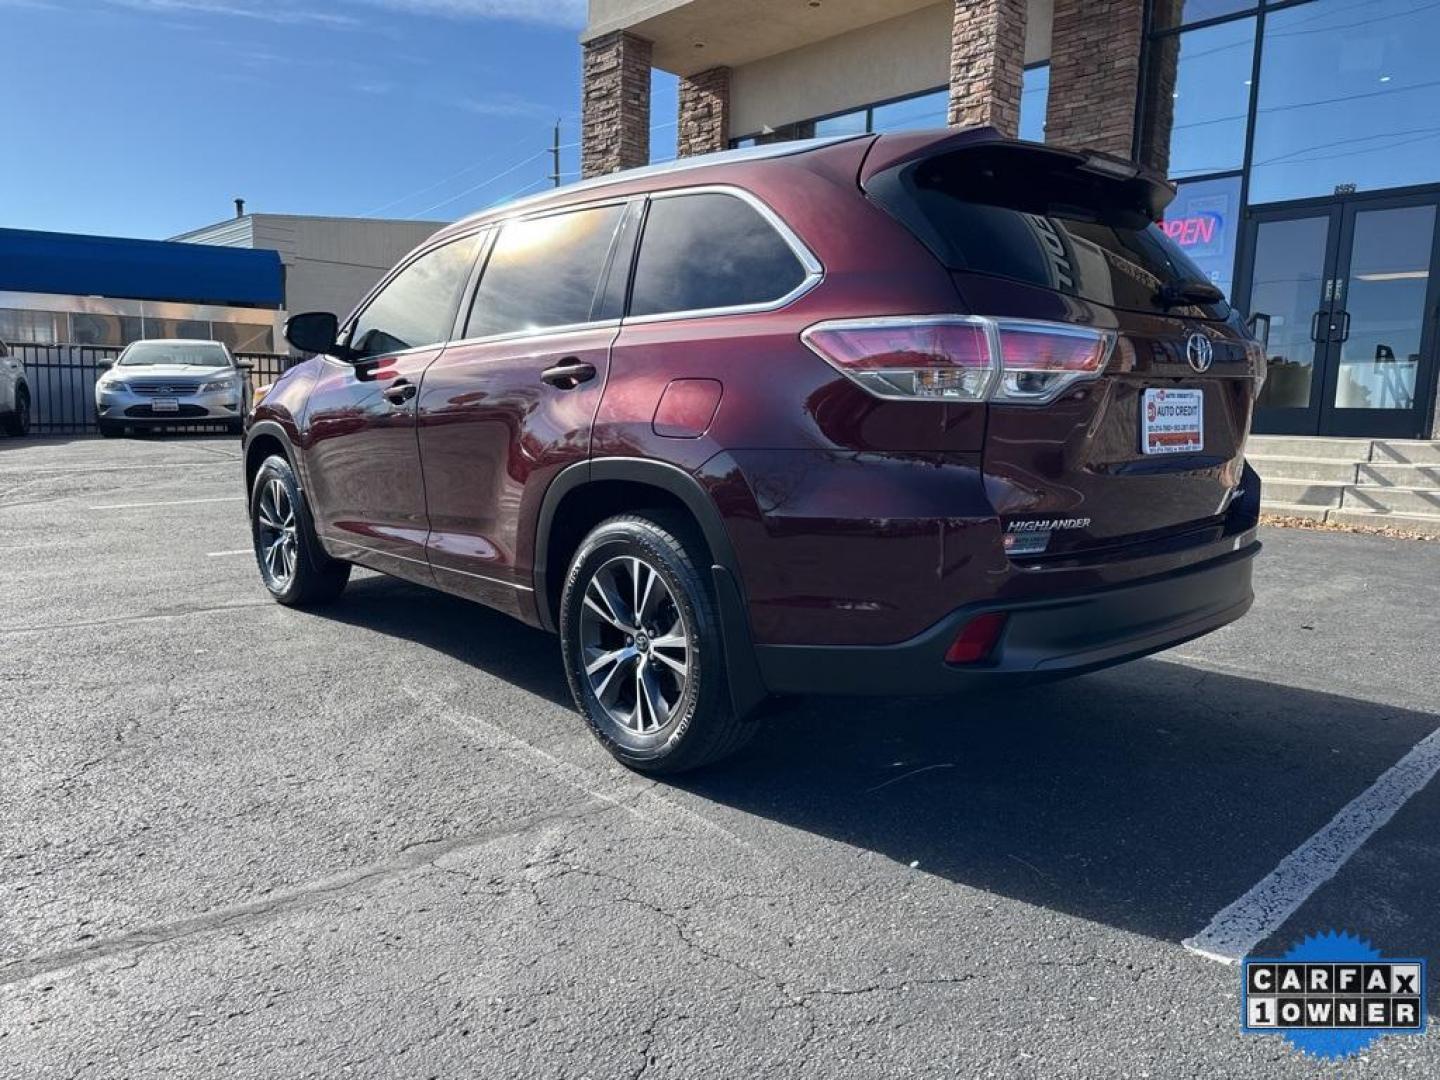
(642, 647)
(18, 422)
(292, 564)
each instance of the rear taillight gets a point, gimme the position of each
(961, 358)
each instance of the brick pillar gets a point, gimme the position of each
(615, 124)
(987, 63)
(1095, 74)
(1161, 75)
(704, 112)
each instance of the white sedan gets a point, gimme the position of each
(154, 383)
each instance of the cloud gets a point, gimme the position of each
(503, 105)
(567, 13)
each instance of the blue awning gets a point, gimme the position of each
(72, 264)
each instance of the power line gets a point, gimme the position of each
(483, 183)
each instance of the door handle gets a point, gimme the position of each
(400, 391)
(1344, 326)
(1315, 327)
(568, 374)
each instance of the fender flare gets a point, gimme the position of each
(747, 688)
(276, 430)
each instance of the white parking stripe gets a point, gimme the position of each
(178, 502)
(227, 554)
(1236, 930)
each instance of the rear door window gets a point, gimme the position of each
(708, 250)
(545, 272)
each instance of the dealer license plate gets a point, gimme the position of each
(165, 404)
(1172, 421)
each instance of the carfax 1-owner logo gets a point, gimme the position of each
(1332, 995)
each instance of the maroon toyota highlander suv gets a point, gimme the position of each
(900, 414)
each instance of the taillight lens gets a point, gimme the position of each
(962, 358)
(976, 639)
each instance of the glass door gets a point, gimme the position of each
(1290, 258)
(1381, 352)
(1350, 292)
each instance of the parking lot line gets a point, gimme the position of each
(177, 502)
(228, 554)
(1237, 929)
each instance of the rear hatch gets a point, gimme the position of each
(1149, 445)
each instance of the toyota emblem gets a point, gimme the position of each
(1199, 352)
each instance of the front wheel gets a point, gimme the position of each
(292, 564)
(642, 647)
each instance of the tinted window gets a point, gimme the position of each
(544, 272)
(710, 251)
(418, 306)
(1038, 220)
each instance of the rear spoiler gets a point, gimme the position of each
(983, 151)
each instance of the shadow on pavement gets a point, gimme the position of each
(1147, 797)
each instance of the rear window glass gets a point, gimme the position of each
(1071, 242)
(710, 250)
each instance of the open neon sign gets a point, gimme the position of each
(1193, 231)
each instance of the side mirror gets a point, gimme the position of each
(104, 365)
(313, 331)
(244, 365)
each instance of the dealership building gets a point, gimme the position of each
(1302, 136)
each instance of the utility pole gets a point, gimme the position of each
(555, 156)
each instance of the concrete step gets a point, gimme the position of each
(1410, 451)
(1391, 500)
(1283, 467)
(1320, 493)
(1309, 447)
(1407, 476)
(1292, 510)
(1424, 524)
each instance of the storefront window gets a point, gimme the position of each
(1204, 220)
(91, 328)
(245, 337)
(176, 328)
(1197, 99)
(1168, 13)
(851, 123)
(1034, 100)
(926, 111)
(32, 327)
(1348, 94)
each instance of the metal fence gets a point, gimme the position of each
(62, 384)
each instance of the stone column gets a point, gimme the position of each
(987, 63)
(704, 112)
(1095, 74)
(615, 115)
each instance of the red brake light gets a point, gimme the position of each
(909, 358)
(961, 358)
(976, 639)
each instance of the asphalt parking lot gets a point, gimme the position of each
(374, 840)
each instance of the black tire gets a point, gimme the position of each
(18, 422)
(700, 726)
(297, 573)
(111, 430)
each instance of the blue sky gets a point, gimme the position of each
(147, 117)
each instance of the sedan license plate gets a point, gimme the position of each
(1172, 421)
(165, 404)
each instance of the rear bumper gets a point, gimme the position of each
(1044, 638)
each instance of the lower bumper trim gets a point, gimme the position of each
(1043, 639)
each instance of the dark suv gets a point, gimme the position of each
(898, 414)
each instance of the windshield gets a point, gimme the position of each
(1046, 230)
(181, 353)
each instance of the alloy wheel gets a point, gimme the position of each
(279, 542)
(635, 645)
